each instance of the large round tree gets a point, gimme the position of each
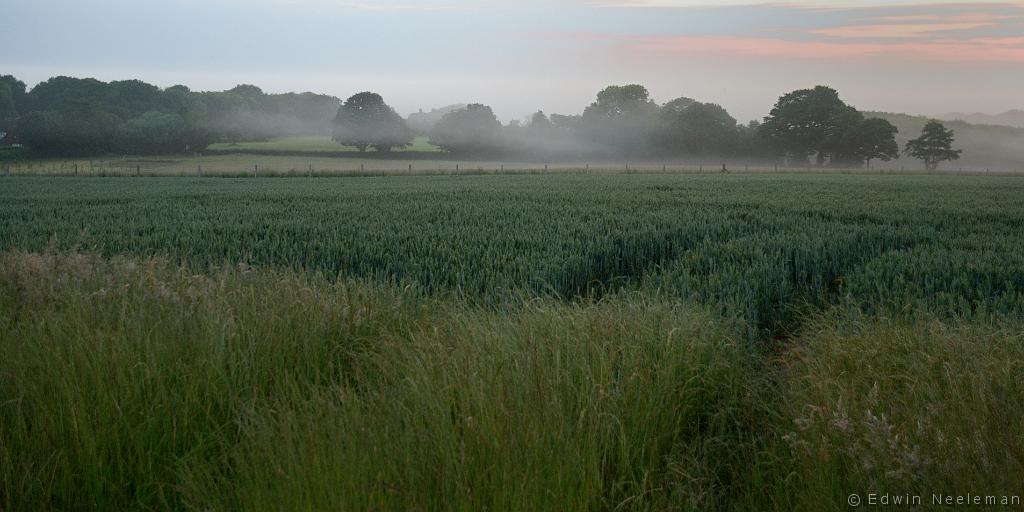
(869, 140)
(686, 126)
(364, 120)
(621, 120)
(810, 122)
(470, 130)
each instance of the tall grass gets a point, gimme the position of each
(138, 385)
(905, 408)
(130, 384)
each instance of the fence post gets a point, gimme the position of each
(456, 167)
(545, 168)
(502, 168)
(310, 170)
(76, 168)
(138, 170)
(255, 169)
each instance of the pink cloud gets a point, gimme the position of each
(966, 17)
(915, 25)
(896, 30)
(1008, 49)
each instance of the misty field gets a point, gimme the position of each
(320, 156)
(511, 342)
(315, 144)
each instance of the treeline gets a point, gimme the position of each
(807, 124)
(77, 117)
(82, 116)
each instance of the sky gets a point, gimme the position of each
(919, 56)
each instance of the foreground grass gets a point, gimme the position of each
(136, 384)
(906, 409)
(139, 385)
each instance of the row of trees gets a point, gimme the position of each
(79, 117)
(625, 121)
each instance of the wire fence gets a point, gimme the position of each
(258, 169)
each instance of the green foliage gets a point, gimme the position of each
(622, 119)
(139, 110)
(365, 120)
(156, 133)
(616, 102)
(7, 108)
(16, 91)
(810, 122)
(934, 146)
(869, 140)
(80, 130)
(689, 127)
(984, 146)
(750, 142)
(471, 130)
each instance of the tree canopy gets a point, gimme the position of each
(84, 116)
(687, 126)
(809, 122)
(13, 98)
(934, 146)
(470, 130)
(868, 140)
(621, 119)
(365, 120)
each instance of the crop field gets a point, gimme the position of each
(509, 342)
(757, 244)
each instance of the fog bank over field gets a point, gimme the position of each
(1013, 118)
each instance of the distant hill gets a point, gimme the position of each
(985, 146)
(422, 122)
(1013, 118)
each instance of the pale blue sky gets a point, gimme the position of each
(928, 58)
